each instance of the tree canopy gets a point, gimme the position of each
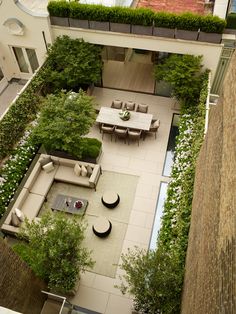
(184, 74)
(64, 119)
(53, 249)
(153, 278)
(72, 63)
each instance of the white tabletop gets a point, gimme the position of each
(138, 120)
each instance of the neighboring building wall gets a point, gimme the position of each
(220, 8)
(32, 37)
(210, 278)
(20, 288)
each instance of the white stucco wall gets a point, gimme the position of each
(211, 52)
(32, 37)
(220, 8)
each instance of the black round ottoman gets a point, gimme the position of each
(102, 227)
(110, 199)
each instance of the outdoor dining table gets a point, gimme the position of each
(138, 120)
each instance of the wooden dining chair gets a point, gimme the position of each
(121, 133)
(134, 135)
(108, 129)
(116, 104)
(142, 108)
(154, 127)
(129, 105)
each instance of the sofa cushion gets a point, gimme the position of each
(19, 214)
(89, 171)
(48, 167)
(45, 160)
(83, 171)
(77, 169)
(15, 221)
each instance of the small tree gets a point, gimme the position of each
(64, 119)
(183, 73)
(154, 279)
(53, 249)
(72, 63)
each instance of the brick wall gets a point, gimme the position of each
(20, 290)
(210, 277)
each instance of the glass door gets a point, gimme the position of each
(26, 60)
(3, 81)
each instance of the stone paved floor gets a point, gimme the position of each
(7, 96)
(97, 292)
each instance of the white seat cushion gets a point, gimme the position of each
(48, 167)
(77, 169)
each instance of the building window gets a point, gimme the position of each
(20, 58)
(26, 59)
(32, 59)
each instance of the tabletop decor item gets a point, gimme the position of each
(78, 204)
(124, 115)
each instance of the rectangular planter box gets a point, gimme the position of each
(210, 37)
(164, 32)
(60, 21)
(79, 23)
(102, 26)
(187, 35)
(141, 30)
(120, 27)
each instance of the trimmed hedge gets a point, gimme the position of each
(23, 111)
(231, 21)
(140, 16)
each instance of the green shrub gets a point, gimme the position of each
(212, 24)
(120, 15)
(61, 10)
(189, 21)
(164, 19)
(231, 21)
(140, 16)
(23, 111)
(91, 148)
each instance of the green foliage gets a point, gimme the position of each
(153, 277)
(64, 119)
(23, 111)
(14, 170)
(165, 19)
(138, 16)
(72, 62)
(59, 10)
(231, 21)
(183, 73)
(52, 247)
(189, 21)
(212, 24)
(91, 147)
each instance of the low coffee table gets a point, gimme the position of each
(67, 204)
(102, 227)
(110, 199)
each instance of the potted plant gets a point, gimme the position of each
(164, 24)
(59, 14)
(79, 15)
(99, 18)
(211, 29)
(142, 21)
(187, 25)
(120, 20)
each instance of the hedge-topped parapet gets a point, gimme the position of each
(140, 16)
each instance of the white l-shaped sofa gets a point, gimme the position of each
(39, 182)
